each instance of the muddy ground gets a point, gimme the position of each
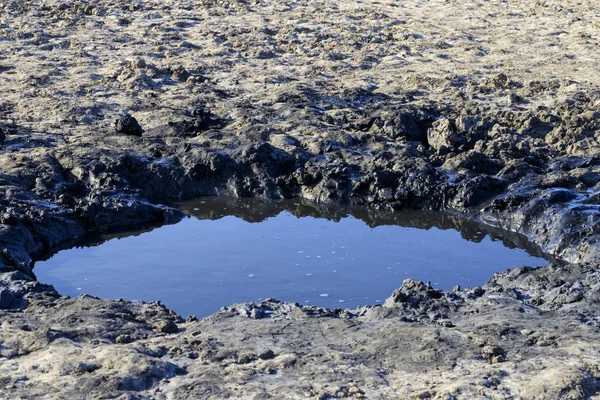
(111, 112)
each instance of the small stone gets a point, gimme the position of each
(270, 371)
(166, 326)
(266, 355)
(128, 125)
(245, 358)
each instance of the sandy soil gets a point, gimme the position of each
(69, 68)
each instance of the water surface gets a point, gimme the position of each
(236, 250)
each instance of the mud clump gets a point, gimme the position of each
(421, 299)
(128, 125)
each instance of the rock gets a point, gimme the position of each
(245, 358)
(423, 395)
(2, 136)
(266, 355)
(558, 180)
(494, 354)
(191, 318)
(166, 326)
(411, 126)
(6, 298)
(342, 392)
(85, 368)
(413, 291)
(124, 339)
(498, 81)
(128, 125)
(283, 361)
(442, 134)
(257, 313)
(466, 123)
(179, 74)
(568, 293)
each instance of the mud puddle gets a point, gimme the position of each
(237, 250)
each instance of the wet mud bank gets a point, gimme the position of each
(108, 118)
